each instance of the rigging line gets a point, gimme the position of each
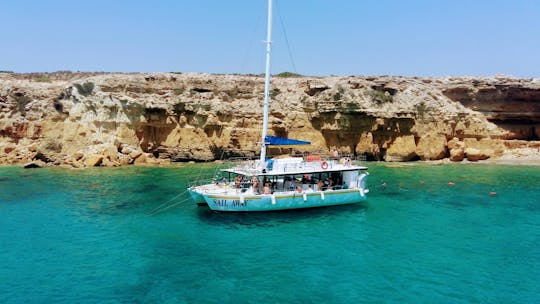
(222, 153)
(172, 199)
(199, 175)
(199, 180)
(243, 69)
(169, 207)
(216, 168)
(223, 148)
(286, 38)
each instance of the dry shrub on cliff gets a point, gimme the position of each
(21, 100)
(65, 94)
(179, 108)
(51, 145)
(339, 94)
(232, 93)
(179, 90)
(85, 89)
(421, 109)
(274, 93)
(42, 78)
(380, 96)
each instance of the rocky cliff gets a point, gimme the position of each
(116, 119)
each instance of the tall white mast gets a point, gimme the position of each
(266, 84)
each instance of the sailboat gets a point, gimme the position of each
(285, 182)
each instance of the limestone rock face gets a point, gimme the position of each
(457, 155)
(142, 159)
(457, 149)
(74, 118)
(432, 147)
(402, 149)
(367, 147)
(93, 160)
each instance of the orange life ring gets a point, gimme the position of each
(324, 165)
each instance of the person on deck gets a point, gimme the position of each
(255, 185)
(320, 185)
(237, 181)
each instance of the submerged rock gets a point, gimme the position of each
(35, 164)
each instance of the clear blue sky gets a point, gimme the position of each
(355, 37)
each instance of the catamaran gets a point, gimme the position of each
(284, 182)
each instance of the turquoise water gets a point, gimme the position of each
(84, 236)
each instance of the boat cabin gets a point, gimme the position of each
(292, 174)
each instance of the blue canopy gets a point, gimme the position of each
(278, 141)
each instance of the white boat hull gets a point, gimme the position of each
(284, 201)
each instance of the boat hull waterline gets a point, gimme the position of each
(284, 201)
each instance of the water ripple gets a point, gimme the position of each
(84, 236)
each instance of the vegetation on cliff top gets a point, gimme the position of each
(287, 75)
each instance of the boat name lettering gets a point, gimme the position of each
(223, 203)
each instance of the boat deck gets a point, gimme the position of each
(229, 189)
(294, 166)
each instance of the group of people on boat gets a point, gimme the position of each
(310, 184)
(269, 184)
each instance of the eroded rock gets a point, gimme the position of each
(35, 164)
(402, 149)
(432, 147)
(93, 160)
(473, 154)
(202, 117)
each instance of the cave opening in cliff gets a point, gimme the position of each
(534, 135)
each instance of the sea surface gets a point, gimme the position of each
(86, 236)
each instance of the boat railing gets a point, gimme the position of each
(314, 162)
(328, 156)
(359, 160)
(308, 157)
(311, 165)
(203, 180)
(237, 159)
(311, 162)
